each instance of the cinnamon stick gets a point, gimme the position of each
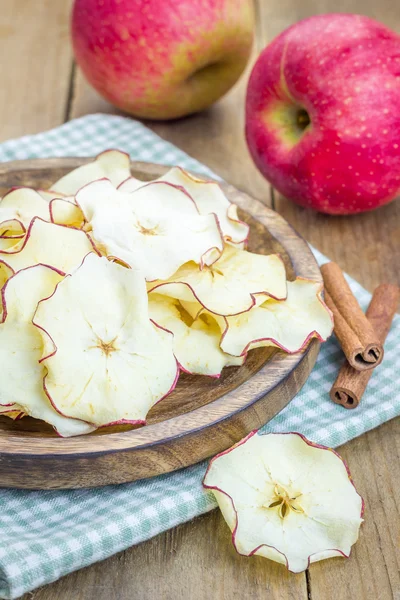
(351, 384)
(355, 333)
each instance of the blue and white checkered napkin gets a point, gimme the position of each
(44, 535)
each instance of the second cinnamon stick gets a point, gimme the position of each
(355, 333)
(350, 383)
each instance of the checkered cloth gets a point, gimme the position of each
(44, 535)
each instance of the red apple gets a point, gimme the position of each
(162, 59)
(323, 113)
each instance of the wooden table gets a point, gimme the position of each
(41, 88)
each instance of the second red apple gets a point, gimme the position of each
(322, 113)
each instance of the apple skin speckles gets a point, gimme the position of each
(317, 65)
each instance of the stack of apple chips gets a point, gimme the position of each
(111, 286)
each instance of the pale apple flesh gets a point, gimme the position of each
(21, 349)
(235, 283)
(109, 363)
(196, 341)
(162, 60)
(57, 246)
(64, 211)
(12, 228)
(12, 231)
(49, 195)
(322, 119)
(112, 164)
(7, 243)
(22, 204)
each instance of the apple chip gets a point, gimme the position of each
(65, 211)
(233, 284)
(196, 341)
(112, 164)
(208, 197)
(109, 364)
(46, 243)
(21, 349)
(21, 205)
(286, 499)
(288, 325)
(156, 229)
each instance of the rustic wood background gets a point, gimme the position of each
(41, 89)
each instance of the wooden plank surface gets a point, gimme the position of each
(36, 63)
(196, 560)
(373, 571)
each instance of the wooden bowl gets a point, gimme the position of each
(202, 417)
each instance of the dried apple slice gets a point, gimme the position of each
(288, 325)
(109, 363)
(208, 197)
(65, 211)
(22, 205)
(156, 229)
(113, 164)
(196, 341)
(46, 243)
(287, 499)
(21, 349)
(232, 285)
